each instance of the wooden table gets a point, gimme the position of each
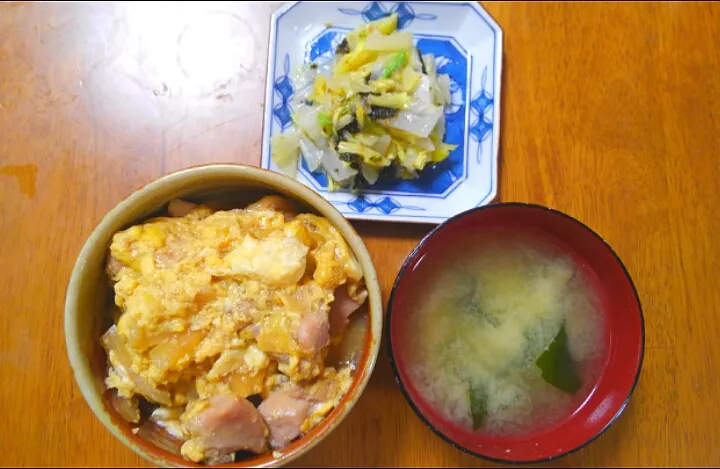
(610, 112)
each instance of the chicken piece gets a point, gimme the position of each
(342, 308)
(284, 413)
(313, 332)
(113, 266)
(276, 203)
(228, 425)
(180, 208)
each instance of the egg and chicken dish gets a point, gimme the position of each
(218, 311)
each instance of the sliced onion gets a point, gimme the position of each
(114, 343)
(349, 350)
(127, 408)
(169, 419)
(166, 354)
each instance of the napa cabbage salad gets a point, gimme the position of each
(376, 107)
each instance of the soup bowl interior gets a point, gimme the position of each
(87, 313)
(623, 336)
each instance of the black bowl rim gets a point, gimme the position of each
(388, 335)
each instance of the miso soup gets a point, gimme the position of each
(506, 335)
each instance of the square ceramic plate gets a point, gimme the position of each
(467, 44)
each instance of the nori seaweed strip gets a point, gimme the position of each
(349, 157)
(381, 112)
(387, 174)
(343, 47)
(335, 141)
(359, 182)
(422, 62)
(346, 132)
(353, 127)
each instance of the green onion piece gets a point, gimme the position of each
(397, 62)
(324, 119)
(326, 122)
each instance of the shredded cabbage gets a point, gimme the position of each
(285, 148)
(396, 42)
(312, 154)
(378, 103)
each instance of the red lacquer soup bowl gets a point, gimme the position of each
(623, 335)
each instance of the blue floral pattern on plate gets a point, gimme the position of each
(386, 205)
(375, 11)
(284, 90)
(481, 107)
(468, 53)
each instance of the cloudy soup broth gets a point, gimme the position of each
(506, 335)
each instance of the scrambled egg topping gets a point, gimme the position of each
(216, 303)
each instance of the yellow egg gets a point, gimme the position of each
(210, 303)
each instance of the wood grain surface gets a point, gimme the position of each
(610, 112)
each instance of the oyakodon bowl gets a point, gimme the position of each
(624, 338)
(87, 317)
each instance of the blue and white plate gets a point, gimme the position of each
(467, 44)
